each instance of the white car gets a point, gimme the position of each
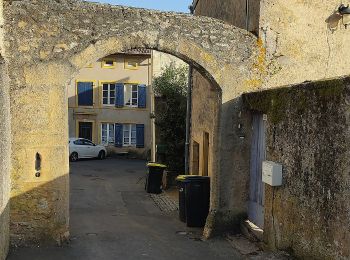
(82, 148)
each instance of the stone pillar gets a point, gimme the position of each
(230, 184)
(40, 191)
(5, 151)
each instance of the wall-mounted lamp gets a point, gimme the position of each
(344, 11)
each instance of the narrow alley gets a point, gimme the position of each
(112, 217)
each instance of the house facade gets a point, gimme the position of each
(110, 103)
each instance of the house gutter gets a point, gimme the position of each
(189, 111)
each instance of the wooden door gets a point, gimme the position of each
(258, 154)
(85, 130)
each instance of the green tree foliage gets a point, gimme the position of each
(170, 120)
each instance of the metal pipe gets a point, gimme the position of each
(188, 121)
(188, 114)
(247, 15)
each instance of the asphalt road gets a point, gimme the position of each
(112, 217)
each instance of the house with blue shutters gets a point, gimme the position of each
(110, 102)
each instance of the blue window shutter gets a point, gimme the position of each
(142, 94)
(85, 94)
(140, 136)
(118, 135)
(119, 95)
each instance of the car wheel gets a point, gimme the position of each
(74, 157)
(102, 155)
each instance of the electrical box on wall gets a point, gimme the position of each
(272, 173)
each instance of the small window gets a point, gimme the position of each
(108, 63)
(108, 94)
(131, 95)
(131, 64)
(129, 135)
(107, 133)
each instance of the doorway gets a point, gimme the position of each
(258, 155)
(195, 158)
(85, 130)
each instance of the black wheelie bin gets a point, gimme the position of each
(194, 199)
(154, 178)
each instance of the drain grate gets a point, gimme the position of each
(164, 202)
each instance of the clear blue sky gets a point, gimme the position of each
(164, 5)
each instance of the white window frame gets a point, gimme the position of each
(109, 137)
(128, 88)
(109, 93)
(129, 129)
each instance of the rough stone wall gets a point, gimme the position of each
(48, 42)
(235, 152)
(203, 121)
(232, 11)
(5, 146)
(299, 44)
(308, 133)
(5, 151)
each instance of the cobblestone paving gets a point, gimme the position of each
(164, 202)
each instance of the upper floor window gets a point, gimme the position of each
(131, 95)
(108, 93)
(108, 63)
(131, 64)
(85, 93)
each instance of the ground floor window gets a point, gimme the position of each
(129, 135)
(107, 133)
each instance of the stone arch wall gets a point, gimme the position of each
(5, 152)
(48, 41)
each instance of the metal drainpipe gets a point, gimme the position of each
(188, 114)
(247, 15)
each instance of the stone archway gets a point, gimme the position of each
(47, 42)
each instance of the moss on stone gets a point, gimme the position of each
(276, 103)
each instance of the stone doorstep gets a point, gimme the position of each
(251, 231)
(243, 245)
(252, 250)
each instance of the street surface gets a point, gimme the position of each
(112, 217)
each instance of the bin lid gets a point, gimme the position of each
(189, 177)
(181, 177)
(156, 165)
